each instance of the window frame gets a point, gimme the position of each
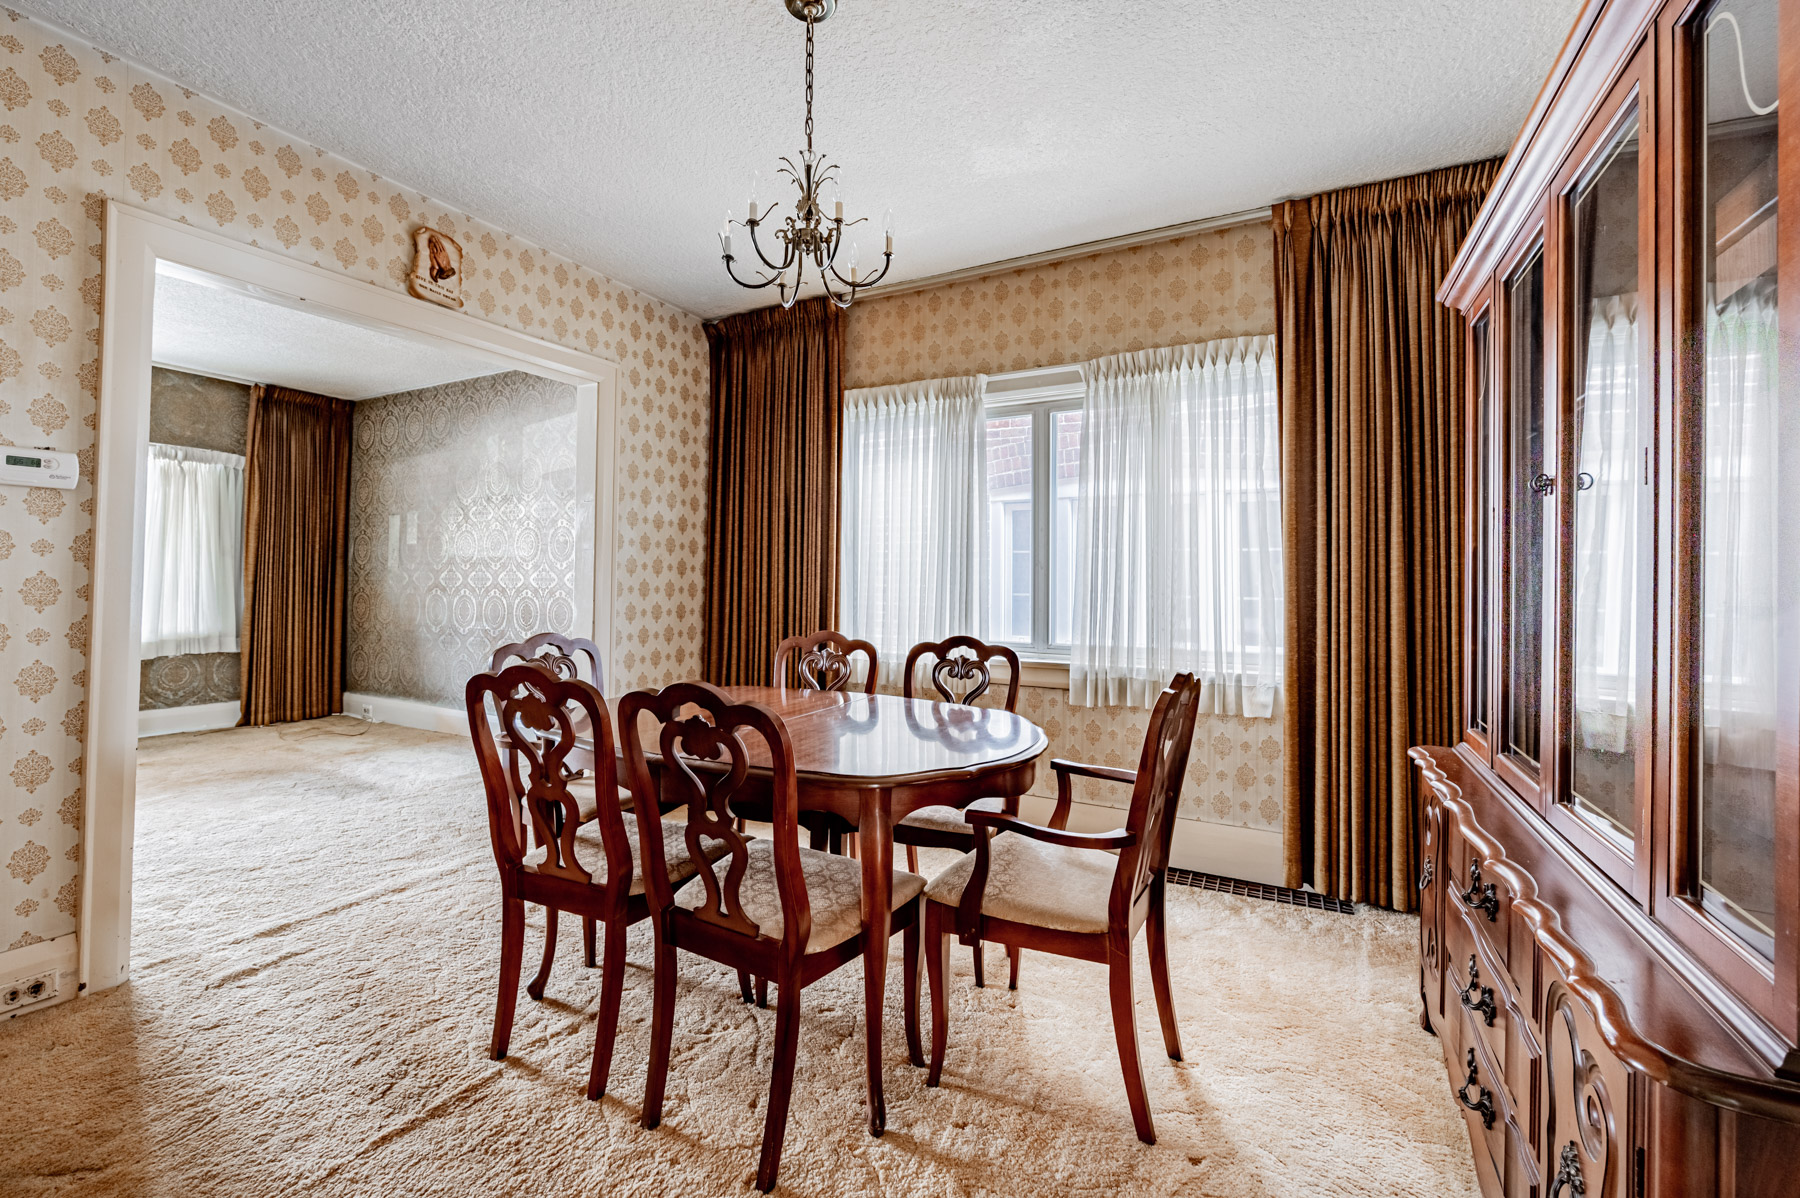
(1041, 394)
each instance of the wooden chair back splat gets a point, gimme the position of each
(821, 662)
(1054, 890)
(756, 909)
(960, 671)
(557, 653)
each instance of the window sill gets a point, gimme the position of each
(1049, 675)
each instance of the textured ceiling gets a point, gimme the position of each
(618, 133)
(218, 329)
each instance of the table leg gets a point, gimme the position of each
(877, 845)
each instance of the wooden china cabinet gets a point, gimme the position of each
(1610, 859)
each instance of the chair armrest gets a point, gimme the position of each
(999, 821)
(1065, 790)
(1106, 773)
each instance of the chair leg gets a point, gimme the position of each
(587, 939)
(662, 1029)
(819, 836)
(937, 965)
(1125, 1032)
(612, 987)
(980, 971)
(912, 858)
(1156, 933)
(1013, 953)
(744, 986)
(762, 993)
(512, 952)
(835, 841)
(536, 986)
(909, 951)
(781, 1084)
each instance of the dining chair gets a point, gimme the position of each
(539, 712)
(958, 670)
(1066, 893)
(564, 656)
(767, 908)
(821, 662)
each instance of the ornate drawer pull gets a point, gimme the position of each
(1467, 994)
(1543, 484)
(1478, 896)
(1568, 1172)
(1485, 1105)
(1425, 874)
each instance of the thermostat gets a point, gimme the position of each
(22, 467)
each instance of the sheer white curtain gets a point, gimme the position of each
(914, 513)
(193, 551)
(1741, 514)
(1606, 516)
(1178, 536)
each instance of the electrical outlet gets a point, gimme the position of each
(25, 992)
(368, 712)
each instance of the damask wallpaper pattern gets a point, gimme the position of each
(1176, 292)
(79, 125)
(463, 530)
(207, 413)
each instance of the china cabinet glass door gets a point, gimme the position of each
(1610, 484)
(1522, 601)
(1748, 568)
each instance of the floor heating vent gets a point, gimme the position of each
(1258, 890)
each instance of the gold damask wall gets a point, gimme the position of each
(464, 521)
(1195, 288)
(77, 126)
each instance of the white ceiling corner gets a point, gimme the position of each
(618, 133)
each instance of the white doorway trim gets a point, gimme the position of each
(135, 242)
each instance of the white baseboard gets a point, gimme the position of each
(61, 953)
(201, 717)
(1248, 854)
(408, 713)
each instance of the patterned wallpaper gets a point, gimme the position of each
(463, 530)
(1176, 292)
(78, 125)
(191, 409)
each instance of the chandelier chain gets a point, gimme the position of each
(809, 85)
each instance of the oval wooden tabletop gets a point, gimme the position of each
(857, 740)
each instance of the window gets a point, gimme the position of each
(978, 505)
(193, 551)
(1033, 418)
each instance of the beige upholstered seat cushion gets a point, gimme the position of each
(950, 819)
(585, 802)
(833, 890)
(591, 852)
(1045, 885)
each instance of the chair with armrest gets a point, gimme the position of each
(768, 908)
(1064, 892)
(587, 869)
(959, 670)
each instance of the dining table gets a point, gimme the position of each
(873, 760)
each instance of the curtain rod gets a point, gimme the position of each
(1124, 241)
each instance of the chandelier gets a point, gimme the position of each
(808, 234)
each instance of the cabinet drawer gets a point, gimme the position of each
(1496, 1125)
(1476, 888)
(1477, 990)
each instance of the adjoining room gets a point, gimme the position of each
(816, 597)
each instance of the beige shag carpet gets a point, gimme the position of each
(315, 944)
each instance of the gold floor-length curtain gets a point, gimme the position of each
(296, 531)
(1372, 482)
(772, 532)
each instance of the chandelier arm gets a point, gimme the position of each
(741, 283)
(787, 259)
